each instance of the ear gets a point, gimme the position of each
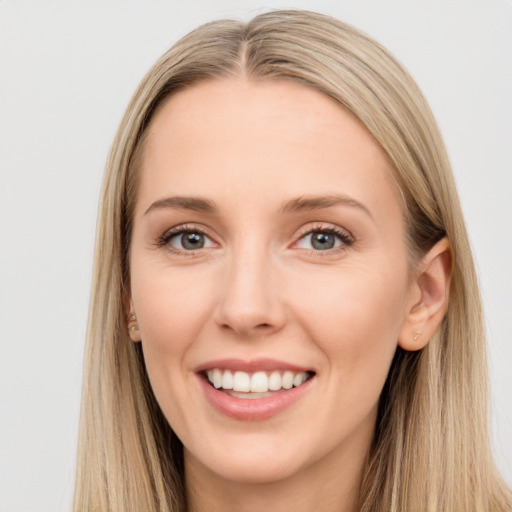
(131, 319)
(429, 295)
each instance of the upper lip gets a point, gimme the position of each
(251, 366)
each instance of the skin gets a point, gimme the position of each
(259, 289)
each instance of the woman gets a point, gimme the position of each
(285, 310)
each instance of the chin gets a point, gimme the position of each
(247, 467)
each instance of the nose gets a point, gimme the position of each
(251, 302)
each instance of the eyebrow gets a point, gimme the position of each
(307, 203)
(196, 204)
(298, 204)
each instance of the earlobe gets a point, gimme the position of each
(133, 327)
(132, 323)
(430, 292)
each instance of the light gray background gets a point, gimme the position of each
(67, 71)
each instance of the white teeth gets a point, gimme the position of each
(287, 380)
(255, 383)
(241, 381)
(274, 381)
(227, 380)
(299, 379)
(259, 382)
(217, 378)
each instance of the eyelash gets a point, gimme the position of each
(164, 240)
(346, 238)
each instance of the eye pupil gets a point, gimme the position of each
(192, 241)
(322, 241)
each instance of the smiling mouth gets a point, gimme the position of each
(240, 384)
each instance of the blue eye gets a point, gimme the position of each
(189, 241)
(324, 240)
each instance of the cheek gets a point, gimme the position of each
(171, 305)
(355, 326)
(171, 308)
(355, 319)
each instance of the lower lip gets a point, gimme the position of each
(256, 409)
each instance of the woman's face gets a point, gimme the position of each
(268, 250)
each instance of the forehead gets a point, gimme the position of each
(241, 137)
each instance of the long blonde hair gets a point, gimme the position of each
(431, 445)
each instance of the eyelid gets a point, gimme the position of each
(164, 239)
(346, 237)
